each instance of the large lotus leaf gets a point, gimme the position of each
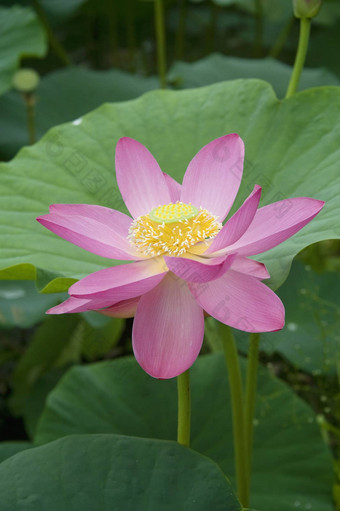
(291, 462)
(63, 96)
(217, 68)
(292, 150)
(310, 339)
(8, 449)
(21, 35)
(101, 472)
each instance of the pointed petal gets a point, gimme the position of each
(213, 176)
(120, 282)
(123, 309)
(250, 267)
(140, 179)
(99, 230)
(275, 223)
(73, 305)
(242, 302)
(237, 225)
(168, 329)
(200, 269)
(174, 188)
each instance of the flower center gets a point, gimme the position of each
(172, 229)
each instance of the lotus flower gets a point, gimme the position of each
(185, 262)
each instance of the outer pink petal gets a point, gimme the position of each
(213, 176)
(123, 309)
(203, 270)
(72, 305)
(242, 302)
(120, 282)
(237, 225)
(139, 177)
(99, 230)
(250, 267)
(168, 329)
(275, 223)
(174, 188)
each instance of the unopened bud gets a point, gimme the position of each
(26, 80)
(306, 8)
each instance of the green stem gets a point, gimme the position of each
(160, 38)
(184, 408)
(300, 56)
(281, 39)
(55, 44)
(30, 110)
(251, 383)
(236, 393)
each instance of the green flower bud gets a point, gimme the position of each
(306, 8)
(25, 80)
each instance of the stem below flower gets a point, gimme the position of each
(300, 56)
(184, 408)
(251, 383)
(236, 393)
(160, 38)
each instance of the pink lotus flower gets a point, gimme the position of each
(185, 262)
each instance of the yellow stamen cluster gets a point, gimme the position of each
(172, 229)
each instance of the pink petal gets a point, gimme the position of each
(140, 179)
(120, 282)
(72, 305)
(237, 225)
(213, 176)
(200, 269)
(168, 329)
(275, 223)
(242, 302)
(174, 188)
(250, 267)
(99, 230)
(123, 309)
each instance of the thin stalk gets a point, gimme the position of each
(281, 39)
(30, 111)
(55, 44)
(160, 39)
(300, 56)
(184, 408)
(251, 384)
(236, 393)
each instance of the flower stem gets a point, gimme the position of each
(184, 408)
(300, 56)
(236, 393)
(251, 382)
(29, 98)
(160, 38)
(55, 44)
(281, 38)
